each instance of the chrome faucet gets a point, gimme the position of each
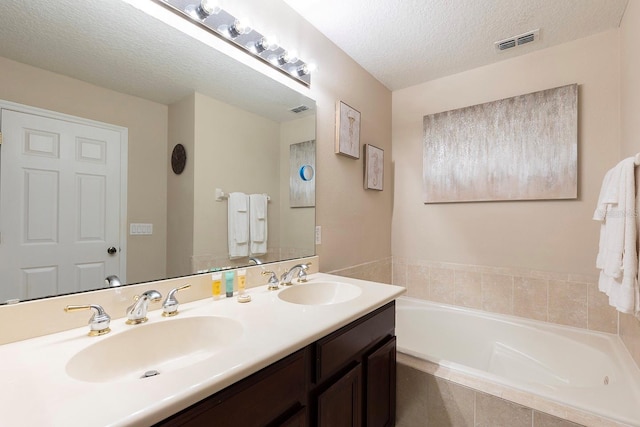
(299, 271)
(273, 280)
(137, 312)
(99, 321)
(112, 281)
(170, 304)
(255, 261)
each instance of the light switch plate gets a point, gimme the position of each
(139, 229)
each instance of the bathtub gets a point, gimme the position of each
(589, 371)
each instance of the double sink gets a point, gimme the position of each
(155, 369)
(178, 342)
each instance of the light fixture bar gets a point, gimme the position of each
(207, 15)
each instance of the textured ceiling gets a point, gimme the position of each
(400, 42)
(406, 42)
(114, 45)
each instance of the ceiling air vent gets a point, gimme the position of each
(519, 40)
(299, 109)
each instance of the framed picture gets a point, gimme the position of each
(302, 183)
(519, 148)
(373, 167)
(347, 131)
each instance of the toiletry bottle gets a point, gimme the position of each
(229, 275)
(242, 281)
(216, 284)
(243, 296)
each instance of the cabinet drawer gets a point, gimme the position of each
(348, 344)
(265, 397)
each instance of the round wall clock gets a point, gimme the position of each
(178, 159)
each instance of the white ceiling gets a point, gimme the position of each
(406, 42)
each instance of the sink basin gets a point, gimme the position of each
(153, 348)
(320, 293)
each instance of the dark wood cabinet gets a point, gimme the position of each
(341, 404)
(272, 396)
(346, 379)
(380, 383)
(299, 419)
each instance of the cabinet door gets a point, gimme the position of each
(341, 404)
(381, 386)
(299, 419)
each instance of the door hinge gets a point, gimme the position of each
(0, 138)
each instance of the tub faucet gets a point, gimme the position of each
(299, 270)
(137, 312)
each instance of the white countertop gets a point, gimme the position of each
(37, 391)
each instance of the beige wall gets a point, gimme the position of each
(630, 130)
(355, 222)
(557, 236)
(234, 157)
(147, 171)
(297, 234)
(180, 189)
(630, 79)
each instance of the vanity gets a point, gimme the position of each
(320, 353)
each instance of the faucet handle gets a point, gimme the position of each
(99, 321)
(302, 273)
(273, 280)
(170, 304)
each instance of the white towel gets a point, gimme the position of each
(617, 257)
(258, 223)
(238, 225)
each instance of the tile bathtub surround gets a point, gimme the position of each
(428, 400)
(630, 334)
(375, 271)
(46, 316)
(566, 299)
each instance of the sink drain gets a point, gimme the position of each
(151, 373)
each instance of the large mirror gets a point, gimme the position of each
(193, 126)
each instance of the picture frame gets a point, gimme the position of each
(347, 131)
(373, 167)
(519, 148)
(302, 184)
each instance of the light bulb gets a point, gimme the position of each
(266, 43)
(302, 70)
(203, 10)
(239, 27)
(283, 58)
(209, 7)
(293, 57)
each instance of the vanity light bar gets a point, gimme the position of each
(207, 15)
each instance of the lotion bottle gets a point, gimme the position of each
(242, 281)
(216, 284)
(229, 275)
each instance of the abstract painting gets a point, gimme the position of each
(519, 148)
